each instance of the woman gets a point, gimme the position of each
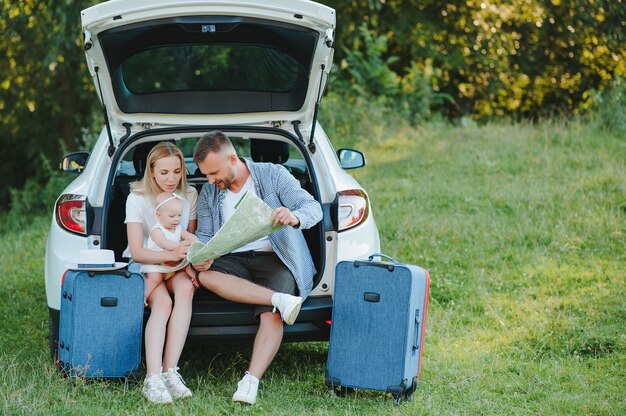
(168, 323)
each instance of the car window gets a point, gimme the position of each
(211, 68)
(126, 167)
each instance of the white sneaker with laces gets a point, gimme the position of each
(155, 391)
(288, 305)
(247, 389)
(175, 384)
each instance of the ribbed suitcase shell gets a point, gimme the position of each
(101, 323)
(378, 325)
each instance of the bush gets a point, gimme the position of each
(608, 108)
(349, 120)
(36, 197)
(371, 78)
(500, 58)
(47, 94)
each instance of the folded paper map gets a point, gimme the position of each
(251, 220)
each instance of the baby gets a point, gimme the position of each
(166, 235)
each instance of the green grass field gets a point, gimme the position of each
(522, 228)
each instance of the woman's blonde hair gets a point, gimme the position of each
(147, 185)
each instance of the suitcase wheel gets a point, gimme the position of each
(409, 393)
(340, 391)
(343, 391)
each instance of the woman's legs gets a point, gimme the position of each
(181, 287)
(160, 304)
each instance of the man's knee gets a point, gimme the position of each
(270, 319)
(208, 280)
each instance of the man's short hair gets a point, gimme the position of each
(211, 142)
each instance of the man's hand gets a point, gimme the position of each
(204, 266)
(282, 216)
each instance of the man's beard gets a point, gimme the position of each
(226, 182)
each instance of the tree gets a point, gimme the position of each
(46, 96)
(524, 58)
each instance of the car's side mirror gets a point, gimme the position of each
(74, 162)
(350, 158)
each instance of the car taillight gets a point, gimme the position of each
(70, 213)
(352, 209)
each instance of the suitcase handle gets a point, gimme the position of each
(416, 342)
(121, 272)
(383, 256)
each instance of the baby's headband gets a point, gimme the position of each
(174, 196)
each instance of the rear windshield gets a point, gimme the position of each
(209, 65)
(211, 68)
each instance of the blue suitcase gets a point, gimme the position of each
(101, 324)
(378, 325)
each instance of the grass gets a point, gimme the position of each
(522, 229)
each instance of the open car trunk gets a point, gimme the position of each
(166, 62)
(213, 315)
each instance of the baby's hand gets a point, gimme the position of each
(181, 250)
(190, 237)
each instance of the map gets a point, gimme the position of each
(250, 221)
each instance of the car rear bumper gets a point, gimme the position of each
(218, 320)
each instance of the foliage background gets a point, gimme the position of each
(422, 60)
(46, 102)
(524, 58)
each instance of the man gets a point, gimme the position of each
(265, 272)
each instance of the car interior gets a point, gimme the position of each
(132, 166)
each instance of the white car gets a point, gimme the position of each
(175, 69)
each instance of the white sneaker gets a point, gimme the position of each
(155, 391)
(247, 389)
(175, 384)
(288, 305)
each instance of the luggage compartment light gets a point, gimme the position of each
(70, 213)
(353, 209)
